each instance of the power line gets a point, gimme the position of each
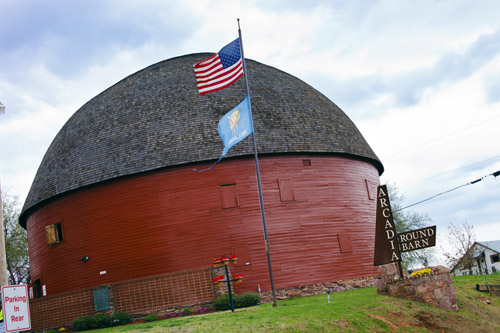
(433, 141)
(444, 173)
(494, 174)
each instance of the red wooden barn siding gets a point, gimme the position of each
(173, 220)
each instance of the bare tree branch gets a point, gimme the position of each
(461, 238)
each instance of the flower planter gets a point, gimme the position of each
(217, 281)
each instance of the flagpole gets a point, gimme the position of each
(263, 214)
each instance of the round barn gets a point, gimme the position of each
(115, 199)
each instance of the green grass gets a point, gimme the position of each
(360, 310)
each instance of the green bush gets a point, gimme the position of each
(151, 317)
(223, 303)
(242, 301)
(247, 299)
(84, 323)
(187, 311)
(52, 331)
(102, 320)
(120, 318)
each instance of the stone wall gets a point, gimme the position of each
(301, 291)
(434, 289)
(319, 288)
(494, 289)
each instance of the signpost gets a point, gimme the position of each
(16, 312)
(388, 244)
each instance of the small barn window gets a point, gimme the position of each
(54, 233)
(286, 190)
(37, 289)
(371, 189)
(345, 243)
(494, 258)
(229, 196)
(306, 163)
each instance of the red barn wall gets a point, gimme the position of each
(173, 220)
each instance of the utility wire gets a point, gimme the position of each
(433, 141)
(494, 174)
(444, 173)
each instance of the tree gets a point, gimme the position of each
(461, 239)
(406, 220)
(16, 242)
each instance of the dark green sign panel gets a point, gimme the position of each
(101, 299)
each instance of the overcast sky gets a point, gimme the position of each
(420, 79)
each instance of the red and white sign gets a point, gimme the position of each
(16, 309)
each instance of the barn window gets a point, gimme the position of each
(494, 258)
(54, 233)
(371, 189)
(229, 196)
(306, 163)
(37, 288)
(345, 243)
(286, 190)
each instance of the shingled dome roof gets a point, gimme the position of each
(155, 118)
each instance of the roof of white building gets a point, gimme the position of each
(492, 245)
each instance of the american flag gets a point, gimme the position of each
(220, 70)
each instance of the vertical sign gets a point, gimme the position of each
(386, 242)
(16, 312)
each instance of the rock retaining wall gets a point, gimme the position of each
(494, 289)
(319, 288)
(434, 289)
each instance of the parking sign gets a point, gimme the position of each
(16, 312)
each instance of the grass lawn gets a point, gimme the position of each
(360, 310)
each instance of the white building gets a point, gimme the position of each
(486, 257)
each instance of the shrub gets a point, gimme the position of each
(84, 323)
(187, 311)
(151, 317)
(247, 299)
(120, 318)
(222, 303)
(52, 331)
(100, 320)
(103, 320)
